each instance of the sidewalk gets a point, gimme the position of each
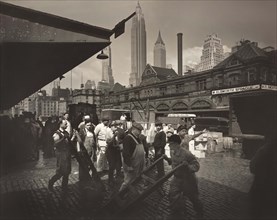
(223, 184)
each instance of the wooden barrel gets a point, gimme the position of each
(227, 142)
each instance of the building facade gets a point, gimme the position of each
(212, 53)
(204, 93)
(107, 73)
(90, 96)
(138, 47)
(160, 52)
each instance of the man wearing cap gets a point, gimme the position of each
(183, 133)
(82, 124)
(101, 140)
(159, 145)
(113, 152)
(184, 182)
(133, 155)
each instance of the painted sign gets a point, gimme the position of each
(236, 89)
(269, 87)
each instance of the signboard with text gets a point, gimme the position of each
(244, 88)
(236, 89)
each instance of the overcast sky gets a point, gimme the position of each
(231, 20)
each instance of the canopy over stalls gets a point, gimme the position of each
(36, 48)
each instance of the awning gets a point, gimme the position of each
(36, 48)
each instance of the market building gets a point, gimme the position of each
(205, 93)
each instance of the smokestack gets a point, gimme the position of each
(180, 53)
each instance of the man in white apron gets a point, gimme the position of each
(133, 155)
(101, 137)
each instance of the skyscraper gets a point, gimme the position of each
(138, 47)
(159, 52)
(212, 53)
(107, 73)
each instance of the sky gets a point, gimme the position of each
(230, 20)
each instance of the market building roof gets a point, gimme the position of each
(37, 47)
(153, 74)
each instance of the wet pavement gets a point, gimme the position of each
(224, 182)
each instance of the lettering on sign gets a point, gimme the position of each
(269, 87)
(236, 89)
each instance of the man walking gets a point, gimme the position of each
(133, 155)
(101, 138)
(159, 145)
(62, 151)
(184, 182)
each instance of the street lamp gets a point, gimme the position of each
(102, 56)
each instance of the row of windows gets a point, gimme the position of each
(202, 84)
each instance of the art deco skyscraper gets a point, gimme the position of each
(212, 53)
(159, 52)
(138, 47)
(107, 73)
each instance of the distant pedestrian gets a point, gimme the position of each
(28, 140)
(123, 119)
(69, 127)
(159, 145)
(184, 182)
(51, 126)
(62, 150)
(101, 140)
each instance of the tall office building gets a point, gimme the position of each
(107, 72)
(159, 52)
(212, 53)
(138, 47)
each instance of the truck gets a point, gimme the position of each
(77, 111)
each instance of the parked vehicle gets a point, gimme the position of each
(177, 119)
(77, 111)
(216, 124)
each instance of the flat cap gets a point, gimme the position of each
(137, 126)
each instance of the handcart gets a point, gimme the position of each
(136, 191)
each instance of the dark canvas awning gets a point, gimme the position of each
(37, 48)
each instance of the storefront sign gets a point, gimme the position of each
(236, 89)
(269, 87)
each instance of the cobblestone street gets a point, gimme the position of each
(223, 182)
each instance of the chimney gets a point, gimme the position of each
(180, 53)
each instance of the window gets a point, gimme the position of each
(201, 84)
(163, 91)
(219, 81)
(263, 76)
(179, 88)
(137, 95)
(233, 79)
(126, 96)
(251, 75)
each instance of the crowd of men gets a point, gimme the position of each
(123, 153)
(112, 149)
